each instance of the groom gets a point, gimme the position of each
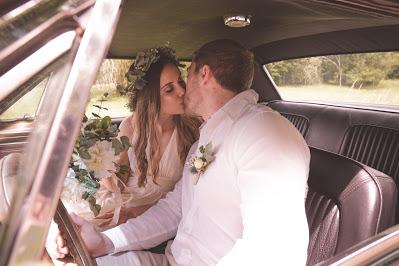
(241, 200)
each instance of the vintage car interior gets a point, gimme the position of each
(354, 171)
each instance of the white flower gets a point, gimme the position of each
(198, 163)
(102, 159)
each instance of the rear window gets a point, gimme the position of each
(367, 78)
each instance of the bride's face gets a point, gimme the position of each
(172, 90)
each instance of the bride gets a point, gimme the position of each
(160, 133)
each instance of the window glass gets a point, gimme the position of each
(183, 69)
(26, 106)
(371, 78)
(111, 77)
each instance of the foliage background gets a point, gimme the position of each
(371, 78)
(361, 78)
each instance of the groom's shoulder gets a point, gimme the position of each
(257, 112)
(261, 118)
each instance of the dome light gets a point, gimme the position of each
(237, 21)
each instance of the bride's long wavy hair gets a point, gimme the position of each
(145, 119)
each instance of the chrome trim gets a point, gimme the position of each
(20, 10)
(50, 146)
(64, 19)
(368, 252)
(32, 65)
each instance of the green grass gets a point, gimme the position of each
(27, 105)
(115, 103)
(386, 93)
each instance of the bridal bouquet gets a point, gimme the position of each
(94, 158)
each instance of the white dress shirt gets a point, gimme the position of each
(248, 207)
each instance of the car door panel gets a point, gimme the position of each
(13, 136)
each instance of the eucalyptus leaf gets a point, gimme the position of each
(208, 157)
(105, 122)
(90, 142)
(208, 148)
(125, 142)
(95, 208)
(201, 149)
(193, 170)
(85, 195)
(84, 154)
(123, 169)
(117, 145)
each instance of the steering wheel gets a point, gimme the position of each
(77, 249)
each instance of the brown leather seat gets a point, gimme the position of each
(347, 202)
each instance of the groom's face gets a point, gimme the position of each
(193, 98)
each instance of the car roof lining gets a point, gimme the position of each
(189, 24)
(374, 39)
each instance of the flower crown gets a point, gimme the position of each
(138, 70)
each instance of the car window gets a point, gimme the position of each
(371, 78)
(110, 79)
(26, 107)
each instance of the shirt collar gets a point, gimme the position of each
(232, 109)
(234, 106)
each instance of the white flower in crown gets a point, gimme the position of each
(200, 163)
(101, 162)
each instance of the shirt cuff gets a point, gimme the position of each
(117, 238)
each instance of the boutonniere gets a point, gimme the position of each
(200, 163)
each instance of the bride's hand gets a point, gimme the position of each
(133, 212)
(97, 244)
(124, 215)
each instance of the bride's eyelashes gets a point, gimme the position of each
(167, 88)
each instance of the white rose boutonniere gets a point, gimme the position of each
(200, 163)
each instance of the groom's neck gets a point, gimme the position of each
(218, 97)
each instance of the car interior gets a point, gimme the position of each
(354, 169)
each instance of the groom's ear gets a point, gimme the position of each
(206, 74)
